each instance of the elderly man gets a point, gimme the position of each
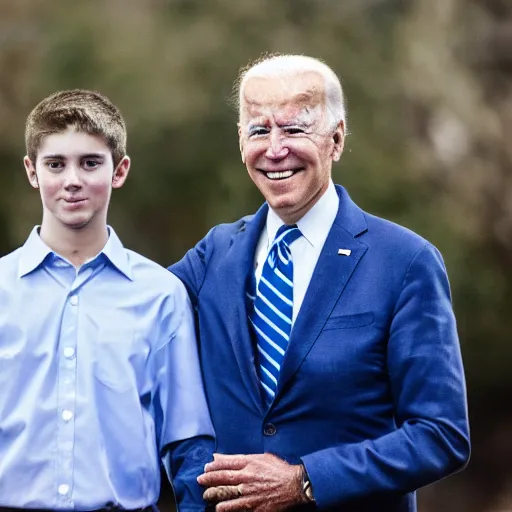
(328, 342)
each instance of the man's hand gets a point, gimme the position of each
(261, 483)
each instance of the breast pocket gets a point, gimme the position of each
(114, 350)
(349, 321)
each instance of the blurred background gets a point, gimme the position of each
(429, 92)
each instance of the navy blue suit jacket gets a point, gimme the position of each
(371, 396)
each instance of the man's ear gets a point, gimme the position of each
(30, 169)
(121, 172)
(338, 138)
(241, 142)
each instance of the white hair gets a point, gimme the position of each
(292, 64)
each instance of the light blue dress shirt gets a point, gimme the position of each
(99, 372)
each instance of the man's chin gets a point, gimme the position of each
(286, 210)
(281, 201)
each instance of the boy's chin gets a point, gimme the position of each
(76, 224)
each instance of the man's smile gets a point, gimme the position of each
(281, 175)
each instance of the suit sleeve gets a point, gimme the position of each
(428, 389)
(191, 269)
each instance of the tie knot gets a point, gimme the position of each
(287, 234)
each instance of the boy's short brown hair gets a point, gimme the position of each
(88, 111)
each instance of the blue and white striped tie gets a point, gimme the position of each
(273, 309)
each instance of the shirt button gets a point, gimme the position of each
(66, 416)
(73, 300)
(63, 489)
(69, 352)
(269, 429)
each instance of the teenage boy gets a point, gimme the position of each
(99, 372)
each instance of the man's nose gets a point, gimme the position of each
(277, 148)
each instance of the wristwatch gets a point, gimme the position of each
(307, 488)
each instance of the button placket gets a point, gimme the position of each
(69, 352)
(66, 415)
(67, 397)
(63, 489)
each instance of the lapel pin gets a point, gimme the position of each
(344, 252)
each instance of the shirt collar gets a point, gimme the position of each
(117, 254)
(315, 224)
(35, 251)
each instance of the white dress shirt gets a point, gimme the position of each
(99, 372)
(315, 227)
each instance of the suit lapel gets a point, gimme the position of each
(328, 281)
(238, 268)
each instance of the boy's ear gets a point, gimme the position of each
(121, 172)
(31, 172)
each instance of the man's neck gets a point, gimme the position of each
(292, 216)
(76, 245)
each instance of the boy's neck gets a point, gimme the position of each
(76, 245)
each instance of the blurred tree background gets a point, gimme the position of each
(429, 91)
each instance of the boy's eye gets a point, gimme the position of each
(91, 164)
(54, 165)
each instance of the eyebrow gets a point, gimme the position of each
(294, 122)
(297, 122)
(95, 155)
(56, 156)
(53, 157)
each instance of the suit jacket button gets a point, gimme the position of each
(269, 429)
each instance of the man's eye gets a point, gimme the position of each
(54, 165)
(294, 131)
(258, 131)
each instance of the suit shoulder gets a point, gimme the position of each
(393, 232)
(399, 249)
(230, 228)
(395, 241)
(222, 233)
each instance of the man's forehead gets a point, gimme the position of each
(284, 92)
